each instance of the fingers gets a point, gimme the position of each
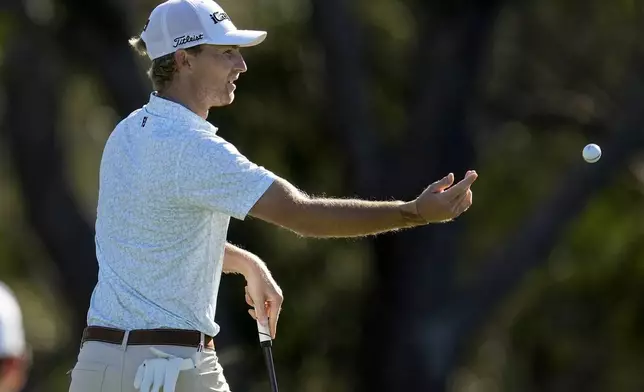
(266, 302)
(148, 376)
(273, 316)
(272, 321)
(138, 378)
(260, 314)
(159, 376)
(464, 185)
(250, 302)
(275, 308)
(442, 184)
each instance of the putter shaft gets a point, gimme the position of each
(270, 366)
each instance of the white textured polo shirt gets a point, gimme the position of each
(168, 186)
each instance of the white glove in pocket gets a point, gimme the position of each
(154, 373)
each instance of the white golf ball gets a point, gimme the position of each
(592, 153)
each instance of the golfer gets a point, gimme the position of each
(169, 184)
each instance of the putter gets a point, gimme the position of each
(266, 343)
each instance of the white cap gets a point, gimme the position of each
(180, 24)
(12, 335)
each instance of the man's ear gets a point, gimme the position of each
(182, 59)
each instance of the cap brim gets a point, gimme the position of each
(243, 38)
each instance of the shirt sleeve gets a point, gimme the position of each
(213, 174)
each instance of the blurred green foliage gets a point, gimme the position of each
(576, 318)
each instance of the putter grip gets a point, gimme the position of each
(264, 334)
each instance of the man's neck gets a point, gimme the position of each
(189, 102)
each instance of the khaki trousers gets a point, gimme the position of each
(104, 367)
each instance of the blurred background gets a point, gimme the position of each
(538, 287)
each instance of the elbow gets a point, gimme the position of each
(301, 216)
(285, 206)
(297, 218)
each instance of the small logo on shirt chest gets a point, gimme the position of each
(145, 120)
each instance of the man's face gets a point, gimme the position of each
(214, 71)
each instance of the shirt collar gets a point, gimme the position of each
(171, 110)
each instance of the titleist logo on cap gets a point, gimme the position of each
(184, 39)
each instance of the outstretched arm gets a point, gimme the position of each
(286, 206)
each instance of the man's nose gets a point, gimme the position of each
(240, 64)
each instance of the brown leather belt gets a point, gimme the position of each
(148, 337)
